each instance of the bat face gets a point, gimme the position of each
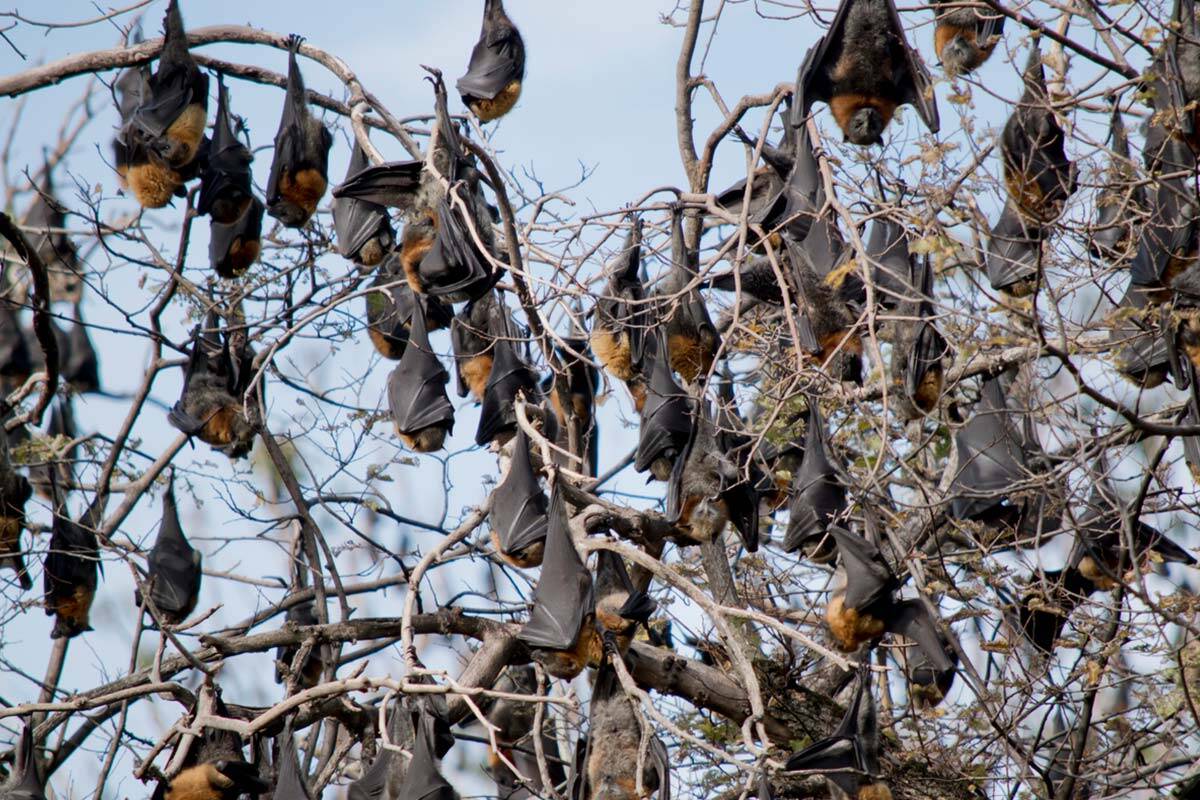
(70, 577)
(989, 457)
(208, 407)
(965, 37)
(818, 495)
(417, 389)
(691, 337)
(174, 567)
(666, 416)
(492, 84)
(848, 68)
(364, 230)
(300, 168)
(225, 189)
(519, 506)
(563, 600)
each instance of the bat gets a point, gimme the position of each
(373, 783)
(510, 377)
(965, 36)
(990, 459)
(472, 338)
(46, 220)
(849, 757)
(612, 751)
(1119, 200)
(692, 339)
(130, 89)
(70, 575)
(1037, 173)
(620, 324)
(16, 363)
(301, 614)
(81, 367)
(492, 84)
(1142, 353)
(290, 783)
(701, 482)
(514, 721)
(173, 567)
(519, 506)
(666, 415)
(889, 264)
(15, 491)
(232, 249)
(918, 348)
(164, 135)
(560, 633)
(756, 462)
(572, 394)
(818, 496)
(25, 782)
(390, 310)
(364, 230)
(1014, 253)
(1168, 241)
(824, 324)
(864, 68)
(1174, 86)
(422, 780)
(392, 184)
(300, 168)
(225, 188)
(210, 407)
(510, 787)
(216, 769)
(620, 605)
(1044, 606)
(58, 463)
(755, 277)
(930, 678)
(416, 391)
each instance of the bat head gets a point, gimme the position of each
(865, 127)
(959, 55)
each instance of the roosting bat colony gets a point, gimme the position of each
(823, 405)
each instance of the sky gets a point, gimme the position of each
(599, 95)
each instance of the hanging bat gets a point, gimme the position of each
(990, 459)
(666, 416)
(364, 230)
(81, 367)
(824, 324)
(572, 394)
(301, 614)
(918, 349)
(519, 506)
(864, 606)
(46, 220)
(16, 363)
(1044, 606)
(1167, 245)
(1121, 198)
(703, 482)
(759, 463)
(300, 168)
(1037, 173)
(421, 411)
(173, 567)
(216, 769)
(620, 320)
(15, 492)
(1142, 353)
(560, 633)
(290, 783)
(398, 184)
(1014, 254)
(58, 465)
(232, 249)
(794, 209)
(25, 781)
(755, 277)
(163, 138)
(692, 339)
(930, 678)
(492, 84)
(620, 605)
(209, 407)
(1174, 85)
(422, 780)
(390, 310)
(130, 89)
(864, 69)
(374, 781)
(849, 757)
(70, 575)
(510, 377)
(965, 36)
(225, 188)
(472, 336)
(611, 754)
(818, 496)
(889, 263)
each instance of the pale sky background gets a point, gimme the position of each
(599, 92)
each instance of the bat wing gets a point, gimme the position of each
(519, 506)
(417, 386)
(912, 78)
(184, 422)
(660, 762)
(834, 757)
(393, 184)
(497, 60)
(563, 598)
(742, 502)
(291, 784)
(989, 457)
(666, 414)
(675, 498)
(72, 560)
(913, 621)
(815, 81)
(174, 564)
(357, 221)
(510, 376)
(1172, 224)
(927, 352)
(1014, 250)
(225, 239)
(891, 266)
(454, 267)
(819, 495)
(169, 95)
(868, 577)
(28, 784)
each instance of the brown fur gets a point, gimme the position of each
(1029, 198)
(689, 357)
(152, 184)
(371, 253)
(475, 372)
(415, 242)
(849, 627)
(567, 664)
(384, 345)
(929, 390)
(74, 610)
(612, 350)
(426, 440)
(637, 390)
(528, 558)
(10, 537)
(219, 430)
(875, 791)
(188, 130)
(498, 106)
(1097, 574)
(944, 33)
(201, 782)
(839, 342)
(243, 253)
(845, 106)
(660, 468)
(1021, 288)
(304, 188)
